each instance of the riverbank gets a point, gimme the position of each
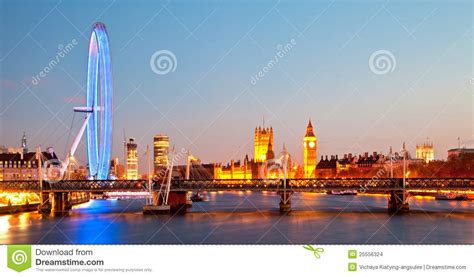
(11, 209)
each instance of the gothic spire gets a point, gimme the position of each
(24, 144)
(309, 129)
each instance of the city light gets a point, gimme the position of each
(18, 198)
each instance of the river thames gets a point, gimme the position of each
(250, 218)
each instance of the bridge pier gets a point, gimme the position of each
(285, 201)
(176, 203)
(398, 202)
(79, 198)
(61, 202)
(157, 206)
(45, 203)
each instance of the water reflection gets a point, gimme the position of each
(250, 217)
(4, 224)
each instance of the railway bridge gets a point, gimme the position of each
(171, 196)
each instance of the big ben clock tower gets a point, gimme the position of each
(310, 145)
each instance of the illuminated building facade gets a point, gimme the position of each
(18, 166)
(234, 170)
(425, 152)
(113, 171)
(24, 166)
(263, 141)
(161, 145)
(132, 160)
(265, 164)
(310, 146)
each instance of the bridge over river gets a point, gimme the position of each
(172, 196)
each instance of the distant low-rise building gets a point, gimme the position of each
(346, 163)
(327, 167)
(367, 162)
(17, 163)
(349, 164)
(458, 152)
(24, 166)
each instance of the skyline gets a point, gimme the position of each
(340, 92)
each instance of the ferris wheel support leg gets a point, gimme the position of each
(75, 143)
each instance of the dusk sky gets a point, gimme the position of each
(209, 103)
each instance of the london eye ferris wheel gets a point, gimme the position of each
(98, 121)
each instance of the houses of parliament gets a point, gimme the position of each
(266, 165)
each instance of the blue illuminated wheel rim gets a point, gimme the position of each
(99, 103)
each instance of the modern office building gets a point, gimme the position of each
(132, 160)
(161, 145)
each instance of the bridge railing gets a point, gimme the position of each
(315, 184)
(291, 184)
(321, 184)
(74, 185)
(226, 184)
(440, 183)
(15, 186)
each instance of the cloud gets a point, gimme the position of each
(8, 84)
(75, 99)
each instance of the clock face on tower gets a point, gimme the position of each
(311, 144)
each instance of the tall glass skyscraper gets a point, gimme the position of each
(161, 145)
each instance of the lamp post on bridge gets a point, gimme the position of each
(44, 207)
(285, 204)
